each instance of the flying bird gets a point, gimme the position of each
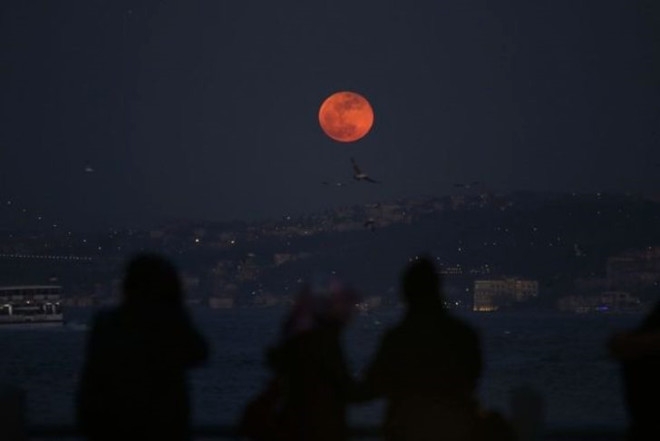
(359, 175)
(370, 223)
(468, 186)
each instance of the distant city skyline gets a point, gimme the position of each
(116, 114)
(577, 253)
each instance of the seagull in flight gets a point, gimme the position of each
(359, 175)
(468, 186)
(370, 223)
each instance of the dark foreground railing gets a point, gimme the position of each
(64, 432)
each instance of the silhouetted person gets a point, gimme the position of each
(133, 382)
(427, 367)
(310, 372)
(639, 354)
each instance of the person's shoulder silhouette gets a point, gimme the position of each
(639, 354)
(133, 378)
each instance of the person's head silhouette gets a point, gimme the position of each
(151, 279)
(421, 284)
(324, 301)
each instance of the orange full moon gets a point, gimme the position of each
(346, 116)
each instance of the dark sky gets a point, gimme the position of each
(208, 109)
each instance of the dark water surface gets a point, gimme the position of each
(562, 356)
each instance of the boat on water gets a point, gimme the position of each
(31, 306)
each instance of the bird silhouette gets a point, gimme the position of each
(359, 175)
(468, 186)
(370, 223)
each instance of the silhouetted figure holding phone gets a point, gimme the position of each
(427, 367)
(639, 354)
(133, 382)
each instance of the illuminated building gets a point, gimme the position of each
(492, 295)
(608, 301)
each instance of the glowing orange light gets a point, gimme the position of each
(346, 116)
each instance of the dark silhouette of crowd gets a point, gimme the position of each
(426, 368)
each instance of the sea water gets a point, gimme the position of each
(563, 357)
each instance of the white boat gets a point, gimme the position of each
(31, 305)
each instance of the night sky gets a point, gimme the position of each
(120, 113)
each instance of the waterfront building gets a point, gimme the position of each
(635, 269)
(607, 301)
(496, 294)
